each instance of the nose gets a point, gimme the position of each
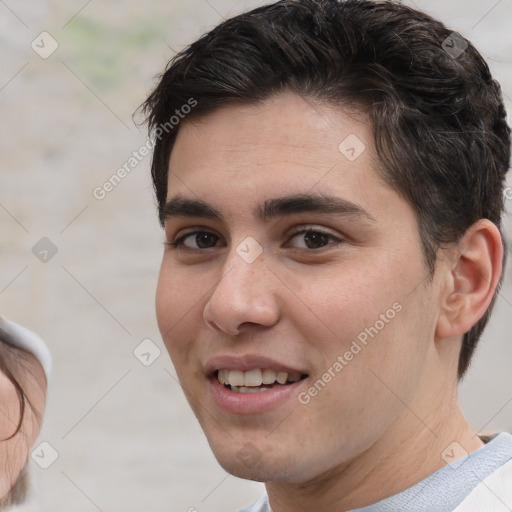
(244, 298)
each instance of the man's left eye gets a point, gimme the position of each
(314, 239)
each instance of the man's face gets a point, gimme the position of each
(333, 298)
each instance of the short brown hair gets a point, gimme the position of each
(438, 117)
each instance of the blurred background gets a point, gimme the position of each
(80, 268)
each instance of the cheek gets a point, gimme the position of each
(371, 319)
(337, 305)
(383, 352)
(179, 305)
(176, 295)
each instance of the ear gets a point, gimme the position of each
(472, 279)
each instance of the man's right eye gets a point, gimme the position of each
(199, 240)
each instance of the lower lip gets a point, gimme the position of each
(250, 403)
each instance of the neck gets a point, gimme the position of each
(408, 452)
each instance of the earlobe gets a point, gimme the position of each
(472, 280)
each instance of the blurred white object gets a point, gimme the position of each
(22, 337)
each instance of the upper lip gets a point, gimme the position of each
(246, 363)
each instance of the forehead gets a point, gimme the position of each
(245, 153)
(282, 122)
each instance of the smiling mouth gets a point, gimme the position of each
(257, 380)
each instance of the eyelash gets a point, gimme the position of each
(178, 243)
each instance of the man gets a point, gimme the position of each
(331, 195)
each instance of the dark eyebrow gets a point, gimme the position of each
(181, 206)
(310, 203)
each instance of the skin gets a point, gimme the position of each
(15, 450)
(382, 423)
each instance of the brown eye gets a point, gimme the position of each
(201, 239)
(204, 239)
(313, 239)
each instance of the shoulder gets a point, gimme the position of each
(494, 494)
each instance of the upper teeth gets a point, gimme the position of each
(255, 377)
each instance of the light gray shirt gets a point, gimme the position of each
(443, 490)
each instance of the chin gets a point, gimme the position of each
(251, 463)
(260, 472)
